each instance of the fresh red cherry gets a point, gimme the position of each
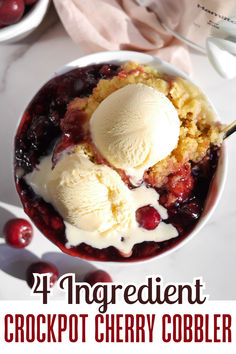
(148, 217)
(18, 233)
(97, 276)
(42, 268)
(30, 2)
(11, 11)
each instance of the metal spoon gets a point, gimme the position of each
(229, 129)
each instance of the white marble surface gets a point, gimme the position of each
(24, 66)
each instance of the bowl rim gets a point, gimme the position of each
(119, 57)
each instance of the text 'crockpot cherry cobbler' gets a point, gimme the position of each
(114, 163)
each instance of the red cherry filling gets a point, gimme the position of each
(18, 233)
(97, 276)
(74, 131)
(148, 217)
(72, 125)
(185, 214)
(178, 188)
(41, 268)
(191, 210)
(11, 11)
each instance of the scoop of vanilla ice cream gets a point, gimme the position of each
(89, 196)
(135, 127)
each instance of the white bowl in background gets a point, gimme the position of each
(27, 24)
(120, 57)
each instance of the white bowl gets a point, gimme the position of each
(26, 25)
(119, 57)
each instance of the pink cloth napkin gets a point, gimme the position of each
(97, 25)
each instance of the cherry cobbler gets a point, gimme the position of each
(114, 163)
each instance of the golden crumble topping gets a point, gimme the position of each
(199, 127)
